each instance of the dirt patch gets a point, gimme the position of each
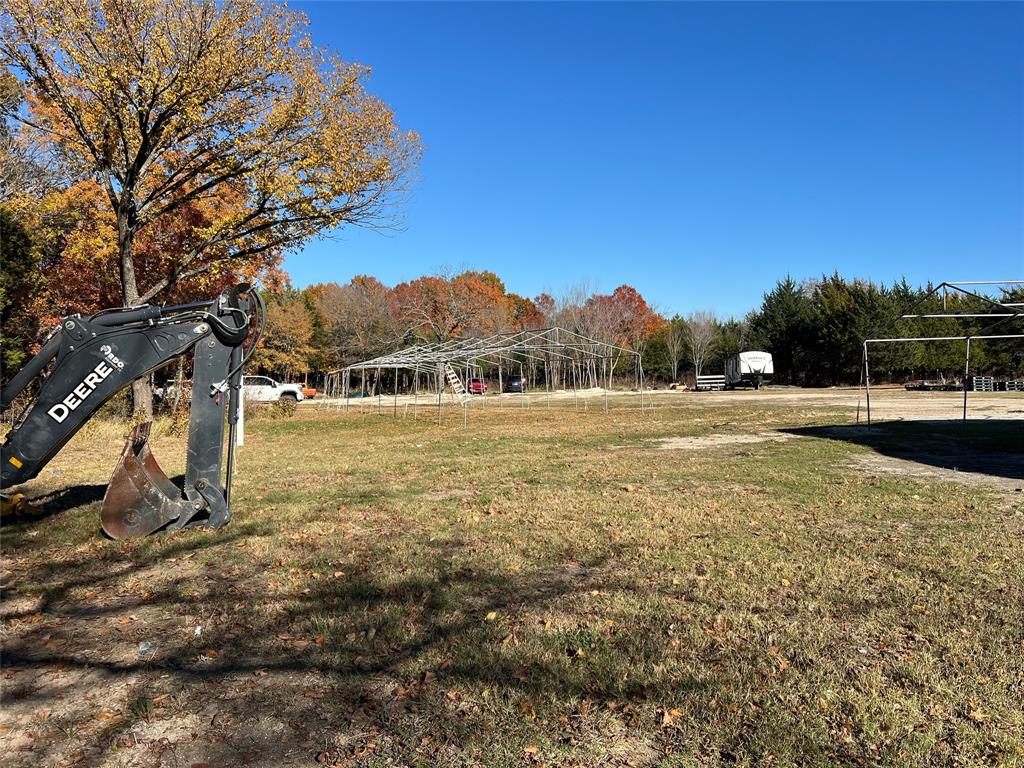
(711, 441)
(450, 493)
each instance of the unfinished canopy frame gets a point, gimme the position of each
(1001, 312)
(570, 357)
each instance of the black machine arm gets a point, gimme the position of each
(98, 356)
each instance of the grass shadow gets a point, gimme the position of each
(993, 448)
(54, 503)
(392, 653)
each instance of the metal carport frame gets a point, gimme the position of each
(1014, 310)
(550, 347)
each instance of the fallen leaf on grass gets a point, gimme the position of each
(491, 616)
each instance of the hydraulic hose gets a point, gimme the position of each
(33, 368)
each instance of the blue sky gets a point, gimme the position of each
(696, 151)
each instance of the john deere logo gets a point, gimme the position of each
(93, 379)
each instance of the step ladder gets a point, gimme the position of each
(456, 384)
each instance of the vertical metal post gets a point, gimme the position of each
(416, 392)
(547, 384)
(240, 433)
(575, 393)
(967, 368)
(861, 384)
(867, 383)
(640, 368)
(395, 411)
(439, 390)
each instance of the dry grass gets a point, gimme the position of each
(540, 588)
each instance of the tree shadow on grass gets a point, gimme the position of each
(990, 448)
(287, 666)
(320, 645)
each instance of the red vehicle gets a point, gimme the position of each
(477, 387)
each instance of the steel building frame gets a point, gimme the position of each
(549, 347)
(1014, 310)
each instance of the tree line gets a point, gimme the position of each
(327, 326)
(814, 329)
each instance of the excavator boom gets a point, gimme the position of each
(100, 355)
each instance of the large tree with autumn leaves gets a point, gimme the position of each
(219, 118)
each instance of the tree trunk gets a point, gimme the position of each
(142, 389)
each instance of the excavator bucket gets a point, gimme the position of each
(140, 499)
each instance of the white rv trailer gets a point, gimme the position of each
(748, 369)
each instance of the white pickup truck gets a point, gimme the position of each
(264, 389)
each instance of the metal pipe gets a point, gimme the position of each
(965, 315)
(984, 282)
(867, 382)
(967, 368)
(947, 338)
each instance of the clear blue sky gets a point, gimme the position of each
(696, 151)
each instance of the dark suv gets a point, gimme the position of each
(515, 384)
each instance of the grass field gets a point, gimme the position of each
(714, 582)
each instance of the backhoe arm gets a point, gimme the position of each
(98, 356)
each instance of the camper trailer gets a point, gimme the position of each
(748, 369)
